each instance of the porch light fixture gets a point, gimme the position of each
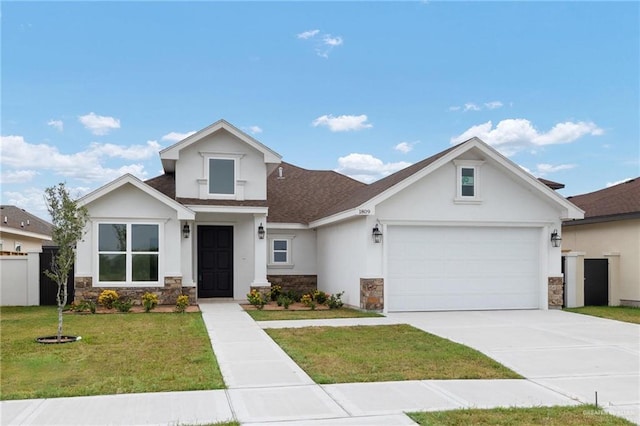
(261, 232)
(555, 238)
(376, 235)
(186, 230)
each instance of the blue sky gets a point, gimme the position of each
(92, 90)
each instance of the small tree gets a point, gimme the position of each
(69, 221)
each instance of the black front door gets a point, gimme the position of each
(215, 261)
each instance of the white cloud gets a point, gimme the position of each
(17, 176)
(405, 147)
(514, 135)
(307, 34)
(176, 136)
(618, 182)
(254, 130)
(367, 168)
(86, 166)
(98, 124)
(133, 152)
(544, 169)
(342, 123)
(32, 199)
(324, 43)
(493, 105)
(470, 106)
(58, 124)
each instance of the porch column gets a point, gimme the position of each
(260, 253)
(574, 279)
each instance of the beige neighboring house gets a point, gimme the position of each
(610, 229)
(21, 232)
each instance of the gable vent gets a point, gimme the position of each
(280, 172)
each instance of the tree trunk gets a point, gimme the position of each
(62, 301)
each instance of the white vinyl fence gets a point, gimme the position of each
(20, 280)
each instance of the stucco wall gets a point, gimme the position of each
(191, 166)
(341, 258)
(598, 239)
(28, 244)
(303, 251)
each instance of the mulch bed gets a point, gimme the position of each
(137, 310)
(273, 306)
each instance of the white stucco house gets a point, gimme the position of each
(463, 229)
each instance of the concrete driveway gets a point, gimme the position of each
(576, 355)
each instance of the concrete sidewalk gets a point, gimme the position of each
(266, 387)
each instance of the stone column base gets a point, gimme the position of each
(556, 292)
(372, 294)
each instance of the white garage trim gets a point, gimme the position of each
(463, 267)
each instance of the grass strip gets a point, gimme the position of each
(383, 353)
(278, 315)
(618, 313)
(118, 353)
(582, 415)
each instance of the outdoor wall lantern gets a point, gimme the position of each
(186, 230)
(555, 238)
(261, 232)
(376, 235)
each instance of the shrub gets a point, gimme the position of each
(107, 298)
(87, 305)
(335, 301)
(275, 292)
(256, 299)
(320, 296)
(284, 301)
(293, 295)
(123, 305)
(181, 303)
(307, 300)
(149, 301)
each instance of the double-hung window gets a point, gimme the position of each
(128, 253)
(280, 252)
(468, 181)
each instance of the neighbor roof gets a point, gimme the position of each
(21, 220)
(616, 202)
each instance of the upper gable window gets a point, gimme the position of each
(222, 176)
(468, 181)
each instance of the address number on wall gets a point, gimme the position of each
(365, 212)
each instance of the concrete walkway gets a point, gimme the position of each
(265, 387)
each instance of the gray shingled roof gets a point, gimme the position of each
(618, 200)
(302, 196)
(21, 219)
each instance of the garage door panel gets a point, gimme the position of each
(448, 268)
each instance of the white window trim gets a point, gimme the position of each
(128, 253)
(282, 265)
(238, 183)
(468, 164)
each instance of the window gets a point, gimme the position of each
(280, 252)
(222, 179)
(128, 253)
(467, 181)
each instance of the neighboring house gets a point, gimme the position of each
(464, 229)
(22, 236)
(610, 230)
(21, 232)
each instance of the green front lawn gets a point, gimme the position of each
(383, 353)
(618, 313)
(267, 315)
(118, 353)
(582, 415)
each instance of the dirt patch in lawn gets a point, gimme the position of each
(137, 310)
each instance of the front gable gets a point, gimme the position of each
(220, 163)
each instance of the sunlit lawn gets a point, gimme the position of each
(582, 415)
(383, 353)
(118, 353)
(618, 313)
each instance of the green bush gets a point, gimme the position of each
(335, 301)
(149, 301)
(181, 303)
(123, 305)
(256, 299)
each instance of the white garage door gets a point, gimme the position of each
(447, 268)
